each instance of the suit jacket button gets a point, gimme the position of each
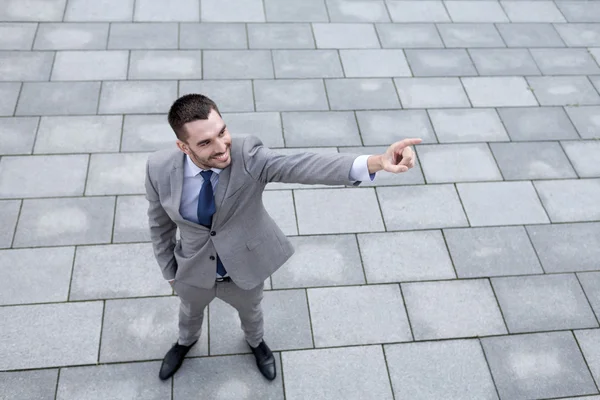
(212, 257)
(213, 233)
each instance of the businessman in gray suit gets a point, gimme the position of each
(211, 189)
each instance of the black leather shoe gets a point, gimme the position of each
(173, 360)
(265, 360)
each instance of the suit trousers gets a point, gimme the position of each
(194, 300)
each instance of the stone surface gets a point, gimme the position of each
(71, 36)
(103, 10)
(304, 129)
(9, 93)
(499, 92)
(570, 200)
(481, 11)
(230, 96)
(357, 11)
(131, 220)
(237, 64)
(144, 35)
(174, 10)
(17, 36)
(470, 35)
(58, 98)
(32, 10)
(307, 64)
(532, 11)
(137, 97)
(9, 213)
(448, 62)
(586, 121)
(583, 155)
(305, 11)
(147, 133)
(212, 36)
(345, 36)
(577, 35)
(385, 127)
(540, 123)
(563, 90)
(468, 125)
(590, 282)
(280, 36)
(431, 93)
(565, 61)
(17, 135)
(418, 11)
(266, 126)
(232, 11)
(118, 173)
(361, 94)
(90, 65)
(165, 64)
(26, 385)
(504, 62)
(587, 340)
(409, 35)
(280, 206)
(374, 63)
(530, 35)
(290, 95)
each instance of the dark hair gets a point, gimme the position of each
(188, 108)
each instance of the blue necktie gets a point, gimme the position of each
(206, 209)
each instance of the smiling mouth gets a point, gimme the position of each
(222, 157)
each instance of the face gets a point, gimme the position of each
(208, 142)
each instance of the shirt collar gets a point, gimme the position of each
(192, 169)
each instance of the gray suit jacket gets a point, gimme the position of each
(246, 238)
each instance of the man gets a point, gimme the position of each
(211, 189)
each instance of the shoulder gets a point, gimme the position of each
(163, 157)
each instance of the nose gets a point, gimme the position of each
(221, 146)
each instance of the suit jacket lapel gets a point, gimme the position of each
(221, 190)
(177, 185)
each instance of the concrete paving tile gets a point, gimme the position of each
(537, 366)
(9, 212)
(567, 247)
(35, 275)
(588, 340)
(386, 260)
(504, 62)
(229, 95)
(58, 98)
(470, 35)
(595, 81)
(333, 128)
(421, 207)
(137, 97)
(90, 65)
(17, 135)
(355, 93)
(357, 11)
(62, 175)
(418, 11)
(26, 385)
(103, 10)
(586, 120)
(590, 281)
(17, 36)
(280, 205)
(580, 11)
(266, 125)
(501, 203)
(119, 382)
(374, 63)
(9, 93)
(280, 36)
(121, 173)
(452, 309)
(32, 10)
(577, 35)
(537, 123)
(121, 270)
(326, 210)
(409, 35)
(213, 36)
(533, 160)
(307, 64)
(42, 336)
(142, 329)
(499, 92)
(431, 92)
(570, 200)
(232, 11)
(165, 64)
(144, 35)
(447, 62)
(230, 377)
(71, 36)
(483, 252)
(345, 36)
(383, 127)
(172, 11)
(290, 95)
(444, 163)
(131, 220)
(65, 221)
(532, 11)
(530, 35)
(565, 61)
(287, 11)
(147, 133)
(329, 260)
(468, 125)
(543, 303)
(583, 156)
(25, 65)
(237, 64)
(335, 374)
(475, 11)
(358, 315)
(457, 367)
(78, 134)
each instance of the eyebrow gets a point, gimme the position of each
(208, 140)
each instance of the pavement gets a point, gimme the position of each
(476, 275)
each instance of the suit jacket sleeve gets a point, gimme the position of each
(162, 230)
(266, 165)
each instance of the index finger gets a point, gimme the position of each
(407, 142)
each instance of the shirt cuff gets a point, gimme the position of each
(360, 169)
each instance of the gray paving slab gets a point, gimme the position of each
(42, 336)
(287, 11)
(145, 35)
(336, 374)
(532, 160)
(232, 11)
(90, 65)
(421, 207)
(470, 35)
(17, 135)
(17, 35)
(35, 275)
(480, 11)
(386, 260)
(280, 36)
(9, 93)
(131, 220)
(386, 127)
(532, 11)
(468, 125)
(65, 221)
(71, 36)
(330, 260)
(116, 173)
(499, 92)
(504, 62)
(58, 98)
(9, 213)
(578, 35)
(567, 247)
(543, 303)
(266, 125)
(165, 64)
(501, 203)
(146, 133)
(333, 128)
(565, 61)
(452, 309)
(582, 154)
(595, 81)
(32, 10)
(586, 120)
(457, 367)
(280, 206)
(357, 11)
(307, 64)
(173, 11)
(444, 163)
(587, 340)
(447, 62)
(205, 378)
(530, 35)
(136, 381)
(362, 94)
(230, 95)
(374, 63)
(290, 95)
(579, 11)
(103, 10)
(212, 36)
(418, 11)
(25, 65)
(26, 385)
(497, 251)
(431, 93)
(345, 36)
(537, 123)
(409, 35)
(570, 200)
(113, 271)
(133, 97)
(538, 365)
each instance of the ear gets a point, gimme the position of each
(183, 146)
